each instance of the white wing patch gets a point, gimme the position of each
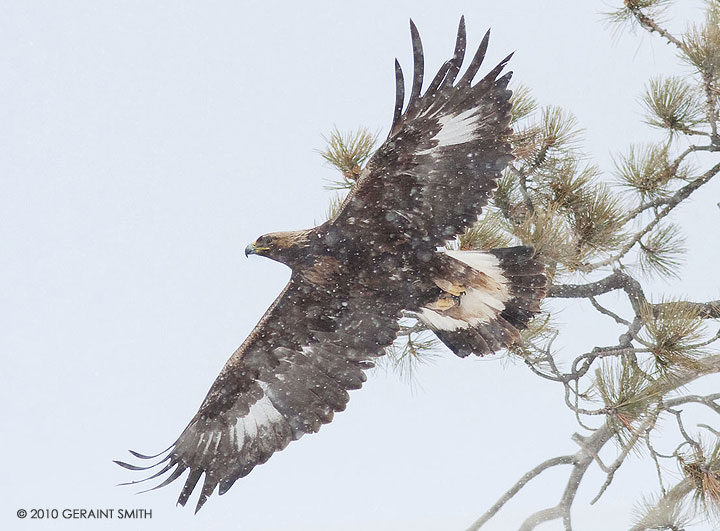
(441, 322)
(478, 305)
(455, 129)
(480, 261)
(262, 414)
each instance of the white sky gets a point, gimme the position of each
(144, 144)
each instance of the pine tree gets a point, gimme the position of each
(600, 234)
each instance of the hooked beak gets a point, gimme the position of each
(254, 249)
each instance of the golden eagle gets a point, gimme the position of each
(354, 275)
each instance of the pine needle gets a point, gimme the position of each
(597, 220)
(672, 104)
(348, 153)
(662, 512)
(559, 131)
(662, 252)
(490, 232)
(523, 104)
(702, 467)
(672, 331)
(625, 389)
(568, 183)
(334, 206)
(702, 43)
(647, 170)
(546, 231)
(408, 352)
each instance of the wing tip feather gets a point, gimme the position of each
(418, 64)
(399, 94)
(476, 61)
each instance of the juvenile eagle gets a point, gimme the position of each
(355, 274)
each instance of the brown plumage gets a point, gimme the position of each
(353, 276)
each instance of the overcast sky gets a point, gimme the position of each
(143, 145)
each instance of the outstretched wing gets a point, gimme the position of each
(439, 165)
(287, 379)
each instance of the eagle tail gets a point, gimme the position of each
(486, 298)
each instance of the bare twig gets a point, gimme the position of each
(584, 458)
(607, 312)
(654, 455)
(649, 24)
(627, 447)
(710, 429)
(708, 401)
(591, 447)
(555, 461)
(689, 440)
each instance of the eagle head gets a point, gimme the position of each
(285, 247)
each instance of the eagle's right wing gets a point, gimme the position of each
(287, 379)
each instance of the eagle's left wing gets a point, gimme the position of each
(287, 379)
(439, 165)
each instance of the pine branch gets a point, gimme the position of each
(552, 199)
(701, 48)
(649, 23)
(632, 214)
(583, 459)
(679, 196)
(711, 106)
(524, 480)
(589, 448)
(617, 280)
